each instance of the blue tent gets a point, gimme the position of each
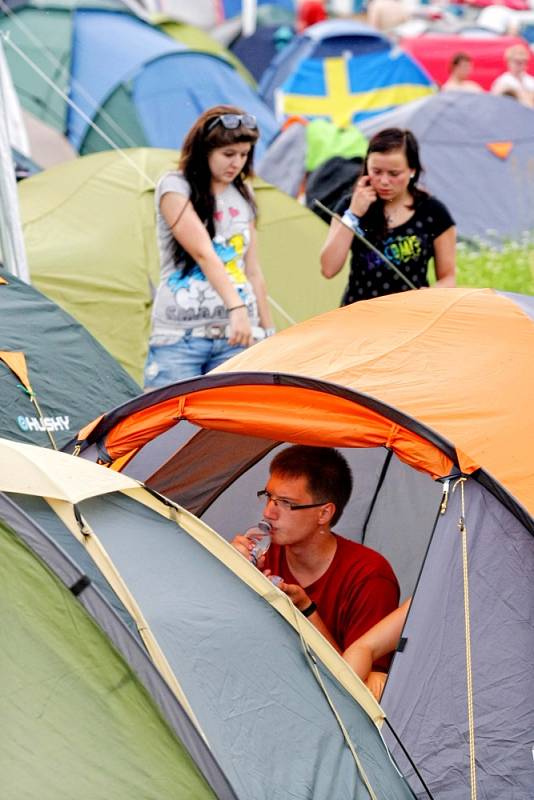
(138, 84)
(344, 72)
(258, 50)
(234, 8)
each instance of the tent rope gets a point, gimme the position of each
(33, 399)
(77, 109)
(281, 311)
(467, 616)
(315, 671)
(62, 71)
(114, 146)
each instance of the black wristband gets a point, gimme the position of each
(234, 308)
(309, 611)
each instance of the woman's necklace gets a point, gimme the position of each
(398, 215)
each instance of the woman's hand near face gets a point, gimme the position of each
(362, 196)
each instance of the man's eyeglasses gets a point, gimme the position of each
(285, 505)
(232, 121)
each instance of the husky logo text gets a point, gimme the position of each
(43, 423)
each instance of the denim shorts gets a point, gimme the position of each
(188, 357)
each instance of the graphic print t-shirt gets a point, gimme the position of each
(191, 301)
(409, 246)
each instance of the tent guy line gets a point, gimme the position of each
(366, 242)
(7, 40)
(62, 72)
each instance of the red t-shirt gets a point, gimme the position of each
(357, 590)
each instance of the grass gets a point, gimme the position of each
(509, 268)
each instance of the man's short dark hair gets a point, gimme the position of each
(326, 471)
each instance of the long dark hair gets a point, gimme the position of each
(374, 220)
(198, 143)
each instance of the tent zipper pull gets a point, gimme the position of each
(445, 497)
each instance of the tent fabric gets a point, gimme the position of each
(95, 54)
(47, 145)
(348, 91)
(189, 599)
(258, 50)
(42, 515)
(284, 162)
(325, 140)
(424, 677)
(71, 375)
(381, 350)
(134, 43)
(458, 322)
(434, 51)
(89, 736)
(331, 181)
(90, 236)
(454, 130)
(336, 35)
(344, 71)
(196, 39)
(203, 600)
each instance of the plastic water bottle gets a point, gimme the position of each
(260, 534)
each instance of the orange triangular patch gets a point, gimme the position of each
(3, 280)
(500, 149)
(16, 362)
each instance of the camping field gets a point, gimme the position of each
(510, 269)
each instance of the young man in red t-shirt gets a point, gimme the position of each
(343, 587)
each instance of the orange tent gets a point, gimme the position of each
(443, 378)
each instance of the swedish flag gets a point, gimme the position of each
(348, 89)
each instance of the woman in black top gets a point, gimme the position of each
(404, 222)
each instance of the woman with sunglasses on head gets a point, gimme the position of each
(212, 301)
(402, 221)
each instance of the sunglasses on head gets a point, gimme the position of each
(233, 121)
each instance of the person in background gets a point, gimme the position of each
(343, 587)
(212, 301)
(460, 67)
(516, 82)
(377, 642)
(404, 222)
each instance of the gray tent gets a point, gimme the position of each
(243, 672)
(54, 376)
(413, 387)
(478, 154)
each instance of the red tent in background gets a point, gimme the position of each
(516, 5)
(434, 52)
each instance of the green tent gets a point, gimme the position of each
(77, 719)
(89, 228)
(54, 377)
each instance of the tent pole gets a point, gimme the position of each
(248, 17)
(11, 238)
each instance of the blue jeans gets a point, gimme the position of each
(187, 358)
